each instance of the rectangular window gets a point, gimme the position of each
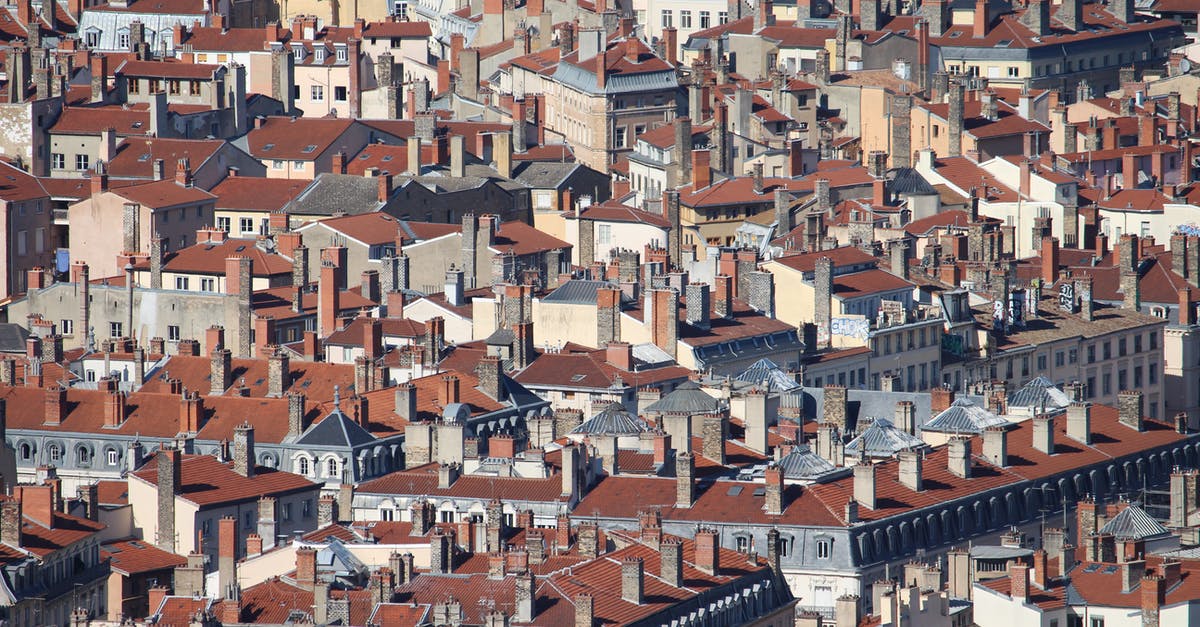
(1107, 351)
(223, 224)
(666, 18)
(605, 233)
(246, 225)
(134, 86)
(39, 240)
(173, 87)
(66, 327)
(619, 139)
(318, 93)
(193, 88)
(1153, 370)
(723, 17)
(1121, 347)
(181, 283)
(1137, 377)
(82, 162)
(339, 93)
(705, 19)
(1091, 354)
(58, 161)
(173, 333)
(1154, 340)
(823, 549)
(114, 329)
(22, 244)
(685, 19)
(1106, 383)
(298, 166)
(208, 285)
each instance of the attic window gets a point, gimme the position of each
(385, 158)
(342, 55)
(955, 35)
(298, 52)
(309, 148)
(1004, 43)
(144, 157)
(240, 249)
(734, 490)
(319, 54)
(577, 378)
(137, 124)
(268, 147)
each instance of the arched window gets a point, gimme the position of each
(114, 457)
(54, 452)
(26, 450)
(302, 467)
(84, 455)
(331, 467)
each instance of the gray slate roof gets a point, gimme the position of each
(337, 430)
(585, 81)
(1039, 393)
(612, 420)
(331, 193)
(578, 292)
(12, 338)
(963, 416)
(882, 439)
(802, 463)
(688, 399)
(1134, 523)
(909, 181)
(769, 375)
(545, 174)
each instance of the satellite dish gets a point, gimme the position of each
(1185, 65)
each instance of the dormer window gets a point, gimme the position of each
(298, 51)
(92, 37)
(342, 55)
(319, 54)
(123, 39)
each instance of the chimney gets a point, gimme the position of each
(1187, 307)
(995, 445)
(115, 409)
(723, 301)
(981, 19)
(910, 470)
(698, 305)
(227, 541)
(940, 399)
(671, 562)
(864, 485)
(1049, 260)
(306, 567)
(708, 556)
(1043, 434)
(1152, 595)
(633, 580)
(685, 487)
(620, 355)
(1079, 422)
(701, 169)
(448, 391)
(601, 68)
(958, 457)
(774, 492)
(1018, 573)
(56, 400)
(243, 450)
(585, 610)
(525, 601)
(1130, 408)
(169, 479)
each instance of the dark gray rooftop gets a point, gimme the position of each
(1040, 394)
(882, 439)
(577, 292)
(12, 338)
(332, 193)
(1135, 524)
(612, 420)
(769, 375)
(336, 430)
(688, 399)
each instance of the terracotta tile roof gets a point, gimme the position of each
(163, 194)
(261, 194)
(403, 129)
(616, 62)
(743, 322)
(664, 136)
(213, 39)
(382, 403)
(733, 191)
(43, 541)
(400, 615)
(719, 501)
(167, 69)
(397, 29)
(273, 601)
(380, 228)
(938, 221)
(206, 481)
(134, 120)
(315, 380)
(290, 138)
(541, 62)
(277, 303)
(209, 258)
(132, 557)
(1117, 153)
(1098, 24)
(136, 155)
(424, 481)
(1007, 121)
(113, 492)
(352, 334)
(19, 185)
(1051, 598)
(965, 174)
(1139, 200)
(612, 211)
(523, 239)
(858, 284)
(177, 611)
(841, 257)
(590, 370)
(198, 7)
